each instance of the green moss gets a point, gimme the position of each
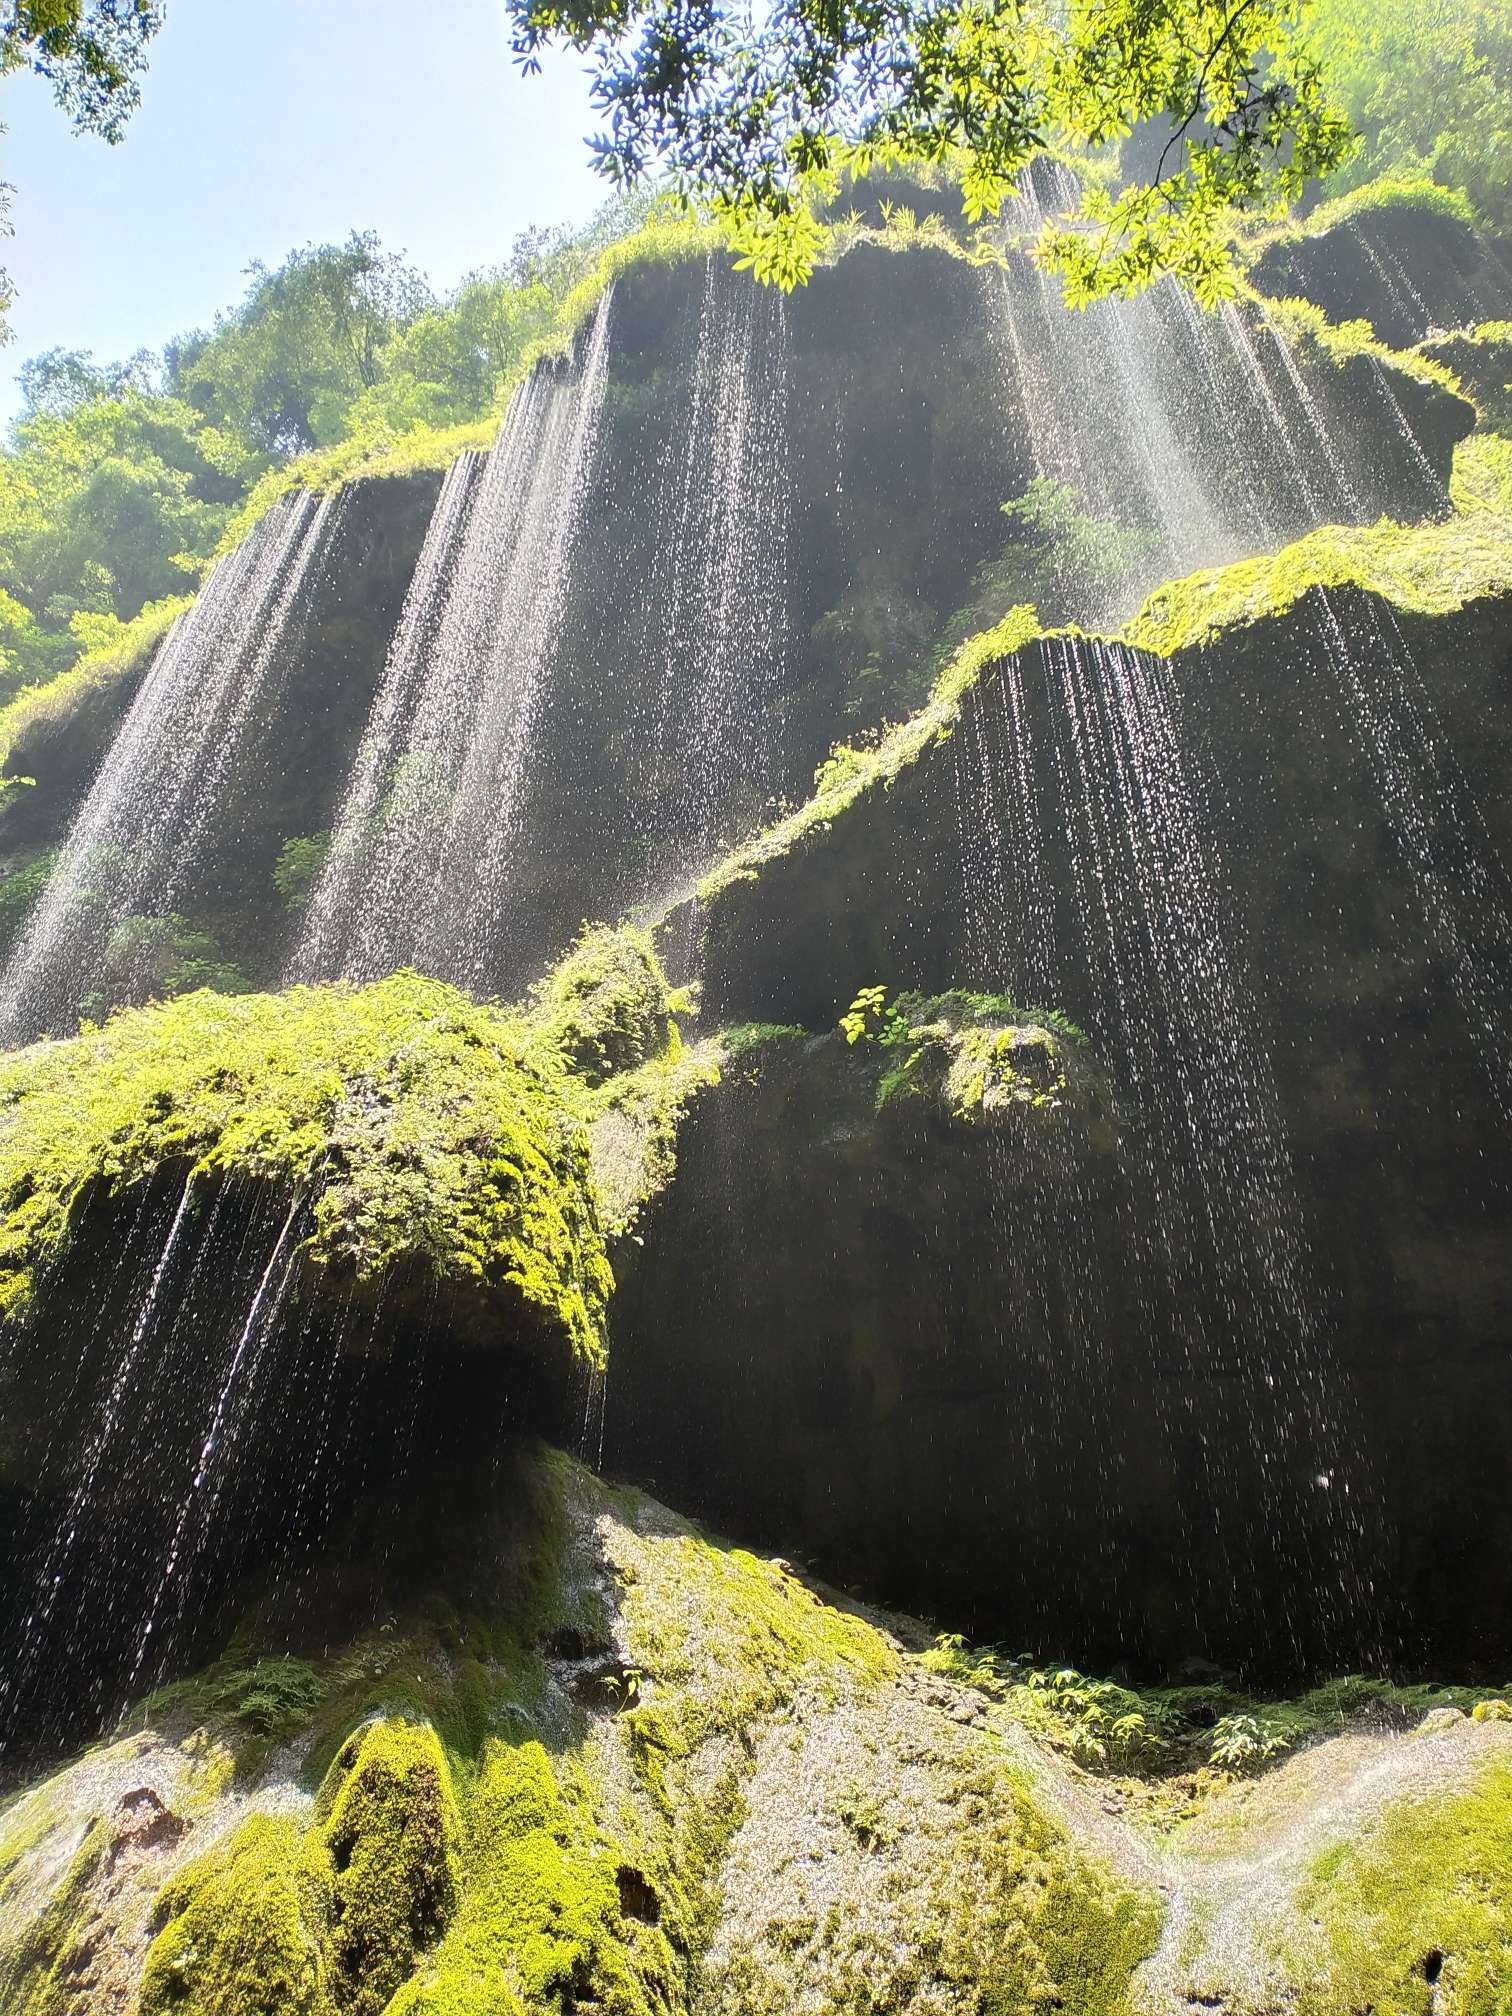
(633, 1123)
(1427, 1884)
(38, 1969)
(1481, 360)
(421, 1127)
(1482, 478)
(852, 774)
(1431, 569)
(1414, 193)
(388, 1851)
(543, 1921)
(1304, 325)
(606, 1005)
(729, 1637)
(241, 1932)
(747, 1037)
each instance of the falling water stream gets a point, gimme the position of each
(1091, 873)
(206, 702)
(425, 847)
(715, 602)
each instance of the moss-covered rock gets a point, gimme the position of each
(628, 1791)
(1399, 252)
(241, 1931)
(416, 1128)
(605, 1004)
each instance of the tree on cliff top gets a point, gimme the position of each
(746, 106)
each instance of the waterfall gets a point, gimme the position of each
(146, 1418)
(425, 843)
(202, 708)
(1460, 880)
(1205, 435)
(1091, 874)
(716, 604)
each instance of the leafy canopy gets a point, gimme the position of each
(1428, 84)
(90, 51)
(753, 109)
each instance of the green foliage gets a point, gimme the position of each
(298, 867)
(747, 1037)
(272, 1696)
(606, 1005)
(282, 371)
(878, 646)
(1428, 87)
(35, 710)
(864, 1022)
(420, 1127)
(154, 959)
(1392, 192)
(1482, 476)
(90, 51)
(756, 117)
(541, 1919)
(1242, 1743)
(106, 505)
(19, 890)
(1070, 565)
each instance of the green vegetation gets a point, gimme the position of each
(1164, 1734)
(530, 1803)
(1424, 1891)
(1482, 478)
(123, 481)
(95, 679)
(1433, 569)
(112, 497)
(298, 867)
(1427, 88)
(418, 1126)
(239, 1932)
(755, 118)
(1072, 566)
(1481, 360)
(19, 890)
(606, 1005)
(978, 1054)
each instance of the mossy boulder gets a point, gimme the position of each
(416, 1134)
(631, 1788)
(605, 1004)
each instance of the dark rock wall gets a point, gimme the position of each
(921, 1405)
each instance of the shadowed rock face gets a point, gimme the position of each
(1404, 271)
(923, 1403)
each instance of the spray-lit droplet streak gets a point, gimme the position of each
(201, 1500)
(1219, 1261)
(205, 701)
(420, 865)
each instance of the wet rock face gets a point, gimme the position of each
(922, 1410)
(1406, 271)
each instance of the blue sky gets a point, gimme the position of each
(271, 125)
